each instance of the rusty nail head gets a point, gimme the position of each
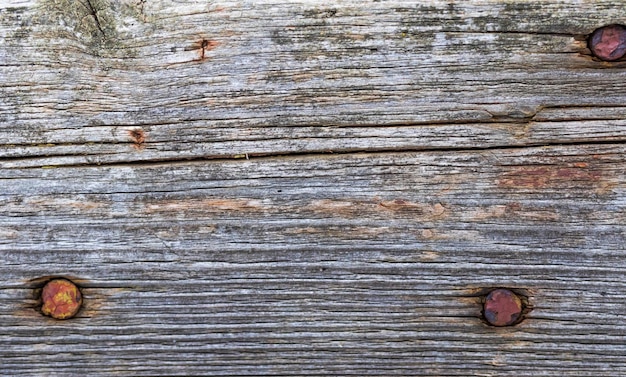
(502, 307)
(609, 42)
(61, 299)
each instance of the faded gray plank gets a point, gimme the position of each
(298, 77)
(365, 264)
(372, 261)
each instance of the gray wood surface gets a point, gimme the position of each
(311, 188)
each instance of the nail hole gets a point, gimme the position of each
(207, 45)
(138, 137)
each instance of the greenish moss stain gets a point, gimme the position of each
(78, 16)
(93, 23)
(14, 10)
(16, 16)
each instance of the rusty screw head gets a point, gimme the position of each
(61, 299)
(502, 307)
(609, 42)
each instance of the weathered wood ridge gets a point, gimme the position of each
(310, 187)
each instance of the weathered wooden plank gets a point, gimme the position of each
(364, 264)
(166, 80)
(355, 263)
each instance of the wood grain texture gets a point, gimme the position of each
(404, 158)
(225, 79)
(366, 264)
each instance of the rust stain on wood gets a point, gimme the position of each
(339, 232)
(490, 212)
(349, 209)
(429, 256)
(577, 175)
(512, 210)
(203, 46)
(401, 205)
(8, 233)
(138, 136)
(51, 203)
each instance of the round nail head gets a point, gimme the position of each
(61, 299)
(609, 42)
(502, 307)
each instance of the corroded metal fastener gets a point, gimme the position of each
(502, 307)
(609, 42)
(61, 299)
